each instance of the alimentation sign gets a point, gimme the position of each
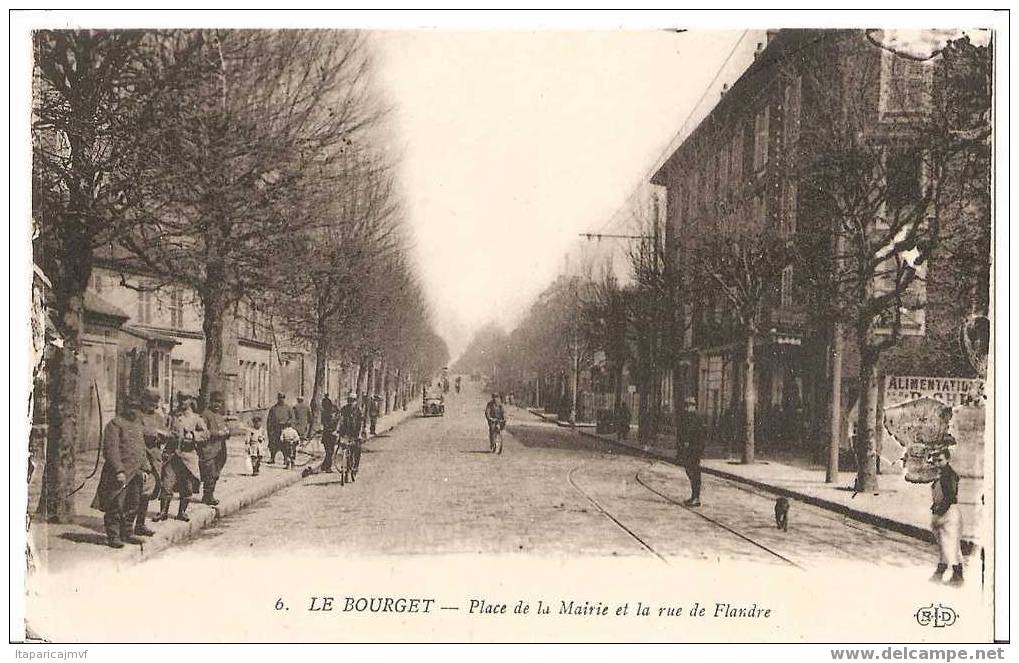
(922, 414)
(950, 391)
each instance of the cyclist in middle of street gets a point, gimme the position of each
(351, 421)
(496, 419)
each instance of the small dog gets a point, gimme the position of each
(782, 514)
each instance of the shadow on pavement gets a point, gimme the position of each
(85, 537)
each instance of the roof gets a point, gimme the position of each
(99, 306)
(149, 335)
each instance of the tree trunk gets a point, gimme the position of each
(318, 383)
(866, 452)
(56, 504)
(749, 400)
(835, 415)
(386, 386)
(214, 303)
(362, 377)
(617, 396)
(574, 384)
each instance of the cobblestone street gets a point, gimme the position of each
(430, 486)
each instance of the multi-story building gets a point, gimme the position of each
(744, 163)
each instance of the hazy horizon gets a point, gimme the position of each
(515, 142)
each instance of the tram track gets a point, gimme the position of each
(608, 515)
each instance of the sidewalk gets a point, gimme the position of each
(899, 506)
(56, 548)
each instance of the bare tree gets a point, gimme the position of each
(885, 186)
(90, 103)
(241, 159)
(741, 264)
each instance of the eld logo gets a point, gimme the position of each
(938, 616)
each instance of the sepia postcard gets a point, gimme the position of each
(638, 327)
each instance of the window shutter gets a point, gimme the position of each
(792, 111)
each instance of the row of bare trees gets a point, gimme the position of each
(874, 206)
(245, 166)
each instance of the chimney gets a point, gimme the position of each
(725, 88)
(760, 49)
(771, 35)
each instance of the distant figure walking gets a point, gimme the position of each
(374, 409)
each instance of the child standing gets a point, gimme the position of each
(256, 444)
(289, 439)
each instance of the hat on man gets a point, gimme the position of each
(351, 396)
(690, 400)
(281, 396)
(149, 397)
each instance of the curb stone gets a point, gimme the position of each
(914, 531)
(168, 537)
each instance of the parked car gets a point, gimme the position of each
(433, 406)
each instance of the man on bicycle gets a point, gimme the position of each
(351, 420)
(496, 419)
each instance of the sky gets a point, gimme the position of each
(512, 143)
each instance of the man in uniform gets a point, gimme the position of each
(120, 483)
(212, 451)
(280, 416)
(302, 418)
(374, 409)
(690, 440)
(156, 434)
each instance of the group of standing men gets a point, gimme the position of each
(146, 457)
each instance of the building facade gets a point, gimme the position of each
(749, 162)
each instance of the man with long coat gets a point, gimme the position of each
(280, 416)
(211, 453)
(120, 483)
(156, 434)
(691, 437)
(181, 471)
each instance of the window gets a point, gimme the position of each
(777, 383)
(97, 284)
(759, 212)
(903, 178)
(694, 194)
(144, 307)
(791, 107)
(709, 183)
(761, 139)
(176, 309)
(723, 169)
(905, 86)
(736, 157)
(155, 360)
(790, 193)
(786, 293)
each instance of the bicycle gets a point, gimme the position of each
(495, 436)
(348, 458)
